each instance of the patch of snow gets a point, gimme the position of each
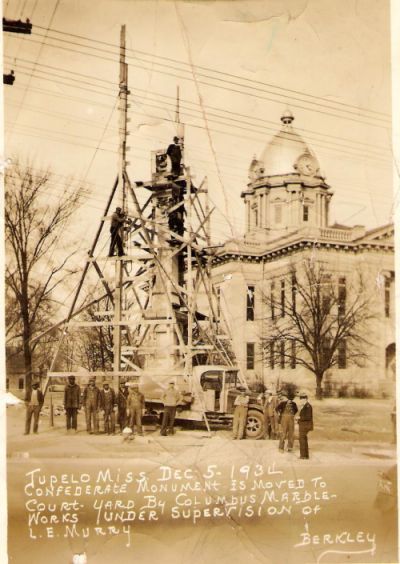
(12, 400)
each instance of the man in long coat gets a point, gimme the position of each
(306, 424)
(108, 401)
(72, 402)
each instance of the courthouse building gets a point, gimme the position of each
(287, 203)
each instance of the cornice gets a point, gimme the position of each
(295, 246)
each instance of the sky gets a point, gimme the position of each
(239, 65)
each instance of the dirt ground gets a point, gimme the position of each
(352, 442)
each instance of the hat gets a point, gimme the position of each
(241, 388)
(172, 382)
(35, 384)
(127, 384)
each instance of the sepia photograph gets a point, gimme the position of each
(199, 281)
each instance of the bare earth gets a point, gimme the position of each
(351, 442)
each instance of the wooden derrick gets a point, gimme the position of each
(157, 301)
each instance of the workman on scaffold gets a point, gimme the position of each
(174, 152)
(118, 219)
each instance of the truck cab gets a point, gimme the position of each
(215, 389)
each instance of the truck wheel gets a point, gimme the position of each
(254, 425)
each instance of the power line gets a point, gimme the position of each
(323, 149)
(317, 142)
(250, 92)
(40, 51)
(223, 73)
(102, 80)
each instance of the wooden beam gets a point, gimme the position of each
(110, 373)
(128, 323)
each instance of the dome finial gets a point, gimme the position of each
(287, 117)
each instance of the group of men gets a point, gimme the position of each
(128, 404)
(128, 401)
(280, 412)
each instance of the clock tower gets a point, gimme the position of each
(287, 191)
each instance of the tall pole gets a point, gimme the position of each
(189, 272)
(177, 116)
(123, 105)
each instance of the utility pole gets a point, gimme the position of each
(123, 106)
(189, 271)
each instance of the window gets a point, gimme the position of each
(294, 292)
(250, 303)
(282, 298)
(272, 354)
(293, 354)
(306, 210)
(326, 300)
(255, 216)
(20, 383)
(211, 381)
(326, 350)
(278, 213)
(7, 383)
(342, 297)
(342, 360)
(272, 300)
(387, 297)
(250, 356)
(282, 353)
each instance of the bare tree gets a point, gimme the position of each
(34, 228)
(317, 321)
(95, 345)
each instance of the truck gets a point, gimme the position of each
(208, 397)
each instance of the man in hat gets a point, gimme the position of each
(117, 223)
(171, 398)
(135, 408)
(107, 402)
(306, 424)
(33, 401)
(270, 415)
(92, 404)
(174, 152)
(240, 414)
(72, 402)
(122, 397)
(287, 409)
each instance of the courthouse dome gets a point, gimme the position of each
(282, 152)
